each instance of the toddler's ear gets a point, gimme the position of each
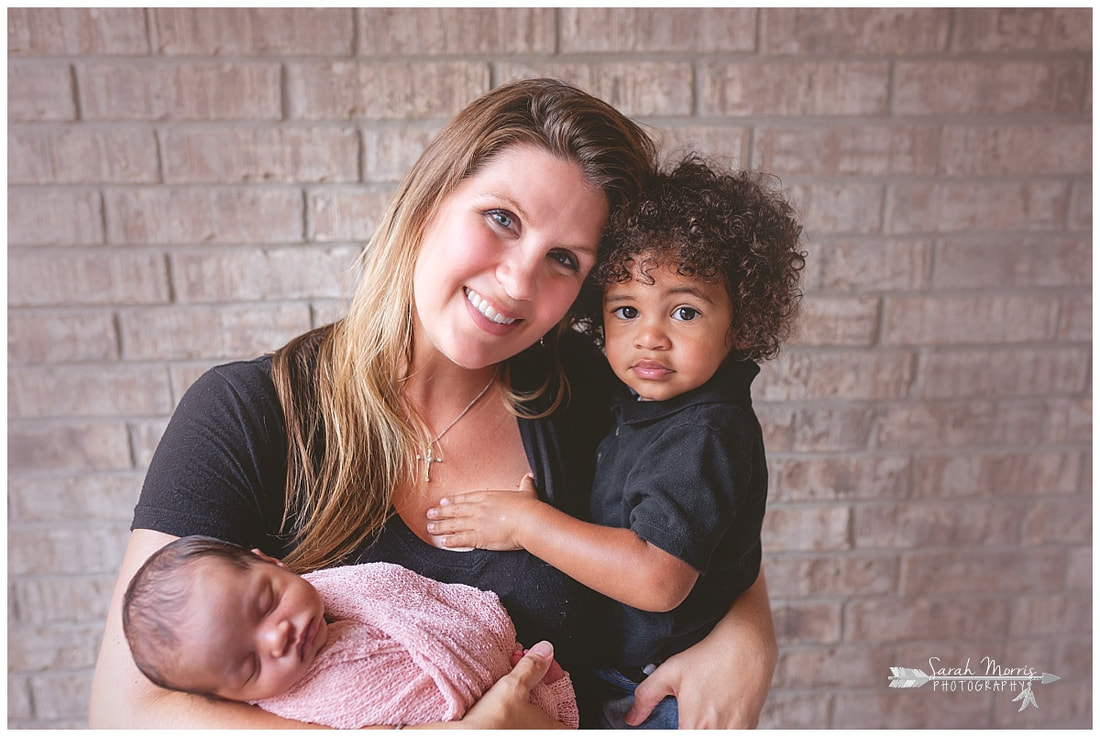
(261, 554)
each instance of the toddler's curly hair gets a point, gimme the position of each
(736, 228)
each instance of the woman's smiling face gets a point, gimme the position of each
(504, 256)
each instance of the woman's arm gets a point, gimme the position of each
(722, 681)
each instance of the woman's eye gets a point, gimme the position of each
(686, 314)
(625, 313)
(567, 260)
(501, 218)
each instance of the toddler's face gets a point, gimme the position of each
(669, 337)
(250, 635)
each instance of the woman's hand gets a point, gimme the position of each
(722, 681)
(507, 705)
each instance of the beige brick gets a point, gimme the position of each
(847, 150)
(854, 31)
(1065, 706)
(145, 435)
(61, 336)
(326, 312)
(62, 699)
(87, 391)
(222, 155)
(806, 528)
(898, 620)
(1075, 319)
(1052, 614)
(807, 622)
(844, 665)
(818, 429)
(636, 88)
(45, 31)
(209, 215)
(1069, 420)
(1079, 568)
(100, 278)
(1024, 262)
(77, 497)
(793, 89)
(54, 217)
(923, 525)
(390, 151)
(839, 207)
(81, 156)
(111, 90)
(996, 372)
(993, 318)
(690, 30)
(813, 375)
(234, 331)
(349, 90)
(959, 423)
(257, 275)
(948, 206)
(799, 576)
(53, 648)
(878, 265)
(347, 214)
(77, 549)
(40, 91)
(71, 445)
(823, 479)
(1080, 206)
(416, 31)
(1059, 520)
(915, 708)
(1002, 87)
(1017, 149)
(837, 321)
(20, 708)
(981, 572)
(253, 31)
(792, 710)
(1022, 29)
(943, 476)
(724, 145)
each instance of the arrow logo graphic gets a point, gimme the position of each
(915, 678)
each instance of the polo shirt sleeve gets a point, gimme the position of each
(689, 485)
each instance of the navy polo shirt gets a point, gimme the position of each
(688, 475)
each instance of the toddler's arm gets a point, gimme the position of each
(613, 561)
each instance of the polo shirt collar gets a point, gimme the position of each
(730, 384)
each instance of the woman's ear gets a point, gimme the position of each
(264, 556)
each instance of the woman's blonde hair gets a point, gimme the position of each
(351, 437)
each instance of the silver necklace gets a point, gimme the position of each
(430, 456)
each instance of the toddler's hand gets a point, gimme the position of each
(489, 520)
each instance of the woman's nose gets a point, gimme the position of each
(517, 273)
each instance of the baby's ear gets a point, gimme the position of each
(261, 554)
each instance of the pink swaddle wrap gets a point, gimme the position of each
(405, 649)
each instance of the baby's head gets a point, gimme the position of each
(211, 618)
(703, 265)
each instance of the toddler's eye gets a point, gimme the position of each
(626, 312)
(686, 314)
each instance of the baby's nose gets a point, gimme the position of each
(279, 637)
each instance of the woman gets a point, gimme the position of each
(333, 449)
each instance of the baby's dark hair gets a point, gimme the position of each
(735, 228)
(155, 604)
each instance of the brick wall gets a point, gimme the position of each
(188, 186)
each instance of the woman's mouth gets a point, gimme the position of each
(482, 305)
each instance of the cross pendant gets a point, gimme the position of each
(429, 458)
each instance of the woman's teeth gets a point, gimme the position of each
(484, 308)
